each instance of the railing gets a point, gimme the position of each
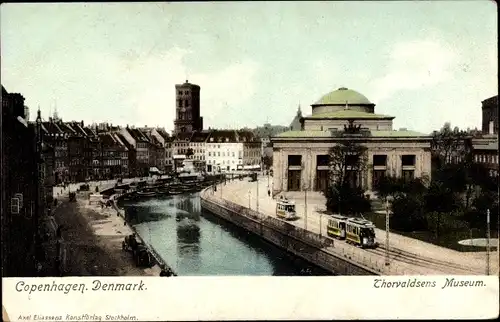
(359, 257)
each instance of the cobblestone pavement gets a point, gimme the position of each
(407, 255)
(91, 250)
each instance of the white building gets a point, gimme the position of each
(230, 150)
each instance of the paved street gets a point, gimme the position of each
(407, 255)
(92, 237)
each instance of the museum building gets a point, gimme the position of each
(300, 156)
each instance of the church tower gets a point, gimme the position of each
(187, 108)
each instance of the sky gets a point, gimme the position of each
(425, 63)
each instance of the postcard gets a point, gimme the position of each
(188, 161)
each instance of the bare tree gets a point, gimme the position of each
(347, 162)
(450, 145)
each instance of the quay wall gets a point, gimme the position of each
(159, 261)
(295, 240)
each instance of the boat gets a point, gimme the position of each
(146, 193)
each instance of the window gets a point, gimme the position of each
(322, 160)
(379, 160)
(294, 160)
(233, 154)
(408, 160)
(408, 175)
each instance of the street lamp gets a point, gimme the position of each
(387, 232)
(257, 181)
(488, 242)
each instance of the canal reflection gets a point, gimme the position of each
(196, 242)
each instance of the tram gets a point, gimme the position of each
(360, 232)
(285, 209)
(336, 226)
(357, 231)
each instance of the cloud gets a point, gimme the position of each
(414, 65)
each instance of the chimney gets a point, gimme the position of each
(81, 123)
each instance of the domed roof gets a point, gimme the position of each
(341, 95)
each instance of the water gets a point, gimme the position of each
(195, 242)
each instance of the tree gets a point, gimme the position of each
(189, 153)
(450, 145)
(268, 161)
(347, 163)
(347, 160)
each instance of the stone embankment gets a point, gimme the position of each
(295, 240)
(91, 236)
(160, 264)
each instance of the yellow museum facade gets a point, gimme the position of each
(300, 156)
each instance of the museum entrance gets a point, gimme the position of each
(294, 180)
(321, 180)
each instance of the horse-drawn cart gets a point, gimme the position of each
(139, 250)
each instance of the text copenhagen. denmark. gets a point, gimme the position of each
(97, 285)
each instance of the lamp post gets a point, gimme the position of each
(257, 192)
(249, 204)
(487, 242)
(386, 232)
(320, 223)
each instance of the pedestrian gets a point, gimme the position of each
(268, 192)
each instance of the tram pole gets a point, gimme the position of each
(257, 193)
(386, 232)
(487, 242)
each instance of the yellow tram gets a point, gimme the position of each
(336, 226)
(285, 209)
(360, 232)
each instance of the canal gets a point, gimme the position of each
(195, 242)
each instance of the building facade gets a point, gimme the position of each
(232, 150)
(485, 145)
(301, 157)
(187, 108)
(490, 115)
(24, 185)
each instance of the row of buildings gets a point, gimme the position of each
(95, 152)
(26, 186)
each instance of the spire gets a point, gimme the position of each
(56, 117)
(299, 111)
(38, 114)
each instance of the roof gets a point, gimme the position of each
(341, 96)
(346, 114)
(200, 136)
(186, 84)
(296, 125)
(124, 141)
(89, 131)
(182, 136)
(51, 127)
(163, 133)
(327, 134)
(109, 140)
(491, 101)
(138, 135)
(66, 128)
(222, 136)
(246, 136)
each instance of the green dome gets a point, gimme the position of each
(341, 95)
